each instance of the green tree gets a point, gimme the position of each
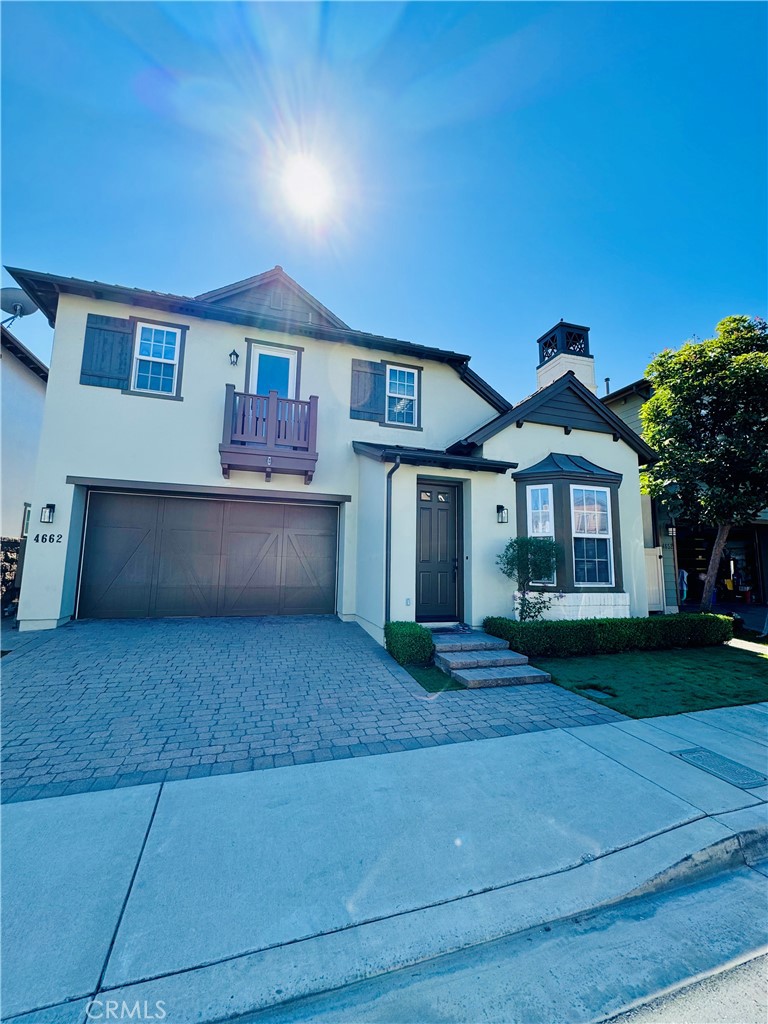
(526, 559)
(708, 422)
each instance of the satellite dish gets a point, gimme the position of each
(16, 302)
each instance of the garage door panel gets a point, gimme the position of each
(118, 559)
(251, 570)
(148, 555)
(188, 557)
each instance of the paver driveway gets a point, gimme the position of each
(96, 705)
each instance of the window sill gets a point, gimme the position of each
(400, 426)
(151, 394)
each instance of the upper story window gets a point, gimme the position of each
(541, 521)
(592, 537)
(156, 359)
(401, 396)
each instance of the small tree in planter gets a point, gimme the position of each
(529, 559)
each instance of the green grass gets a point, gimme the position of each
(643, 684)
(433, 680)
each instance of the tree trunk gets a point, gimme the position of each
(723, 530)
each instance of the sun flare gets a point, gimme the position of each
(307, 187)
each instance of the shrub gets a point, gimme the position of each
(526, 559)
(409, 643)
(569, 637)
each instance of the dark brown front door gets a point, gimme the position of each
(147, 555)
(437, 561)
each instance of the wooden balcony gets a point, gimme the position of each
(268, 434)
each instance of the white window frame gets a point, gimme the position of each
(551, 535)
(415, 398)
(593, 536)
(152, 359)
(272, 350)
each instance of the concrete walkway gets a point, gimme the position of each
(226, 895)
(99, 705)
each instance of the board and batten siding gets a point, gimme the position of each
(107, 351)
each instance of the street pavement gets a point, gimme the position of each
(258, 892)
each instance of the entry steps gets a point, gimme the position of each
(477, 659)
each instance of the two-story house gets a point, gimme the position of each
(245, 452)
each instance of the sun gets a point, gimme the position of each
(307, 187)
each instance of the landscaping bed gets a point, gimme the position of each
(645, 684)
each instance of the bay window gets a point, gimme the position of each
(592, 536)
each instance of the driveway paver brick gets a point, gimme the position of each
(101, 705)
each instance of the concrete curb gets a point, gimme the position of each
(271, 978)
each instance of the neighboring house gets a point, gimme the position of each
(745, 570)
(23, 379)
(245, 452)
(658, 529)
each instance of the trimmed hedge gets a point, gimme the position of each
(409, 643)
(560, 638)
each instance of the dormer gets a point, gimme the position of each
(565, 347)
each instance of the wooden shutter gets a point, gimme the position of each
(107, 352)
(367, 401)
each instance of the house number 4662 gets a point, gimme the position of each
(48, 538)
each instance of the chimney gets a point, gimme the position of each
(564, 348)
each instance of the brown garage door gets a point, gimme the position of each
(146, 555)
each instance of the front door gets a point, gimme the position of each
(437, 561)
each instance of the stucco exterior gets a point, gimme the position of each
(22, 397)
(96, 434)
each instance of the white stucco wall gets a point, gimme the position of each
(101, 433)
(22, 397)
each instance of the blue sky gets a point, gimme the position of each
(498, 166)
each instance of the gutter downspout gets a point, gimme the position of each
(388, 553)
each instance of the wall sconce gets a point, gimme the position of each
(502, 514)
(233, 357)
(46, 513)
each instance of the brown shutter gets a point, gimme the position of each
(368, 397)
(107, 352)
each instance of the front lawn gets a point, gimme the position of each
(433, 680)
(643, 684)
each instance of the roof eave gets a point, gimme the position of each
(45, 288)
(434, 459)
(25, 357)
(518, 413)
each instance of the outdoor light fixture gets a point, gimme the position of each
(502, 514)
(233, 357)
(46, 513)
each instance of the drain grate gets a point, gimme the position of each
(723, 767)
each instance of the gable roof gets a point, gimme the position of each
(556, 464)
(22, 353)
(567, 403)
(45, 289)
(253, 291)
(429, 457)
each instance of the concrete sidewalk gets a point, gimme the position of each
(228, 895)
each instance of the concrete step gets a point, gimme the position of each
(448, 661)
(510, 675)
(475, 641)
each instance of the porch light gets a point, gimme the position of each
(233, 357)
(502, 514)
(46, 513)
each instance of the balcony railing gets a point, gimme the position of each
(268, 434)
